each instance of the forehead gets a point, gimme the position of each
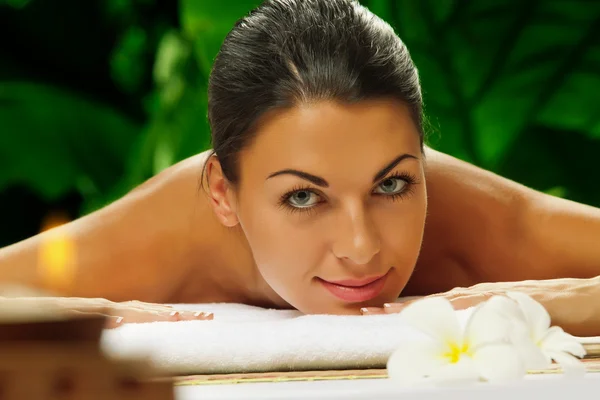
(322, 137)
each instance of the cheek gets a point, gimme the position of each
(404, 227)
(284, 251)
(401, 231)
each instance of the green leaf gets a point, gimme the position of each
(545, 158)
(563, 111)
(52, 140)
(380, 8)
(198, 17)
(180, 133)
(177, 127)
(172, 53)
(207, 23)
(128, 67)
(493, 70)
(15, 3)
(557, 191)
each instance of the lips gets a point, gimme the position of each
(356, 290)
(356, 282)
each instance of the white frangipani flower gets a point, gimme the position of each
(450, 352)
(535, 333)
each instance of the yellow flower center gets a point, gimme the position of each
(455, 351)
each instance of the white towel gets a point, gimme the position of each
(242, 338)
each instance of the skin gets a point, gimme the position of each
(167, 242)
(116, 314)
(351, 230)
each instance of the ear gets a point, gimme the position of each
(222, 198)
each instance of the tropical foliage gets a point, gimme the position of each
(97, 96)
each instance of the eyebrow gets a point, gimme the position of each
(317, 180)
(385, 170)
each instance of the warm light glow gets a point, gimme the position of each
(57, 254)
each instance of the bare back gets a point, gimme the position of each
(163, 243)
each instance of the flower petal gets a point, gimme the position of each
(506, 307)
(536, 315)
(531, 354)
(461, 372)
(491, 322)
(499, 363)
(435, 317)
(556, 339)
(571, 366)
(415, 360)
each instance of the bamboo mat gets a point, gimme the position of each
(592, 363)
(591, 366)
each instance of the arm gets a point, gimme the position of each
(572, 303)
(31, 309)
(134, 248)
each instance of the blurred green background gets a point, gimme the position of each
(98, 95)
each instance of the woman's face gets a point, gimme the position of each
(332, 201)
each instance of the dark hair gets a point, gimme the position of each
(286, 52)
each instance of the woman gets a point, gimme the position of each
(320, 194)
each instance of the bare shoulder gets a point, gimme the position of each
(144, 246)
(474, 228)
(217, 260)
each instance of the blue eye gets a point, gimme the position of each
(303, 199)
(391, 186)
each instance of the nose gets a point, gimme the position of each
(356, 237)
